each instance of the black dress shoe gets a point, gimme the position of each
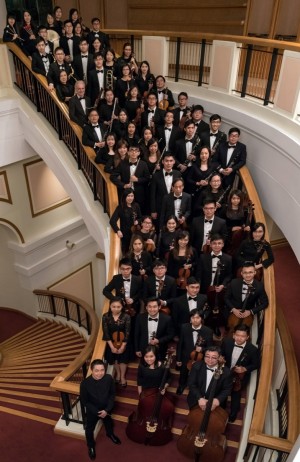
(92, 453)
(114, 438)
(232, 418)
(179, 390)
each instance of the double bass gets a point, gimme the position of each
(151, 424)
(202, 438)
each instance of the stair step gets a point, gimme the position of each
(47, 345)
(37, 406)
(28, 386)
(26, 415)
(36, 331)
(30, 395)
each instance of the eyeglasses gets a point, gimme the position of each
(212, 357)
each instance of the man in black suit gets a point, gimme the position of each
(79, 104)
(126, 285)
(168, 134)
(197, 117)
(93, 132)
(97, 33)
(59, 64)
(176, 203)
(215, 137)
(162, 92)
(132, 173)
(40, 59)
(49, 47)
(186, 148)
(183, 305)
(201, 379)
(152, 117)
(97, 79)
(214, 270)
(206, 225)
(153, 328)
(182, 110)
(69, 42)
(84, 62)
(231, 156)
(193, 337)
(246, 296)
(161, 183)
(242, 358)
(160, 285)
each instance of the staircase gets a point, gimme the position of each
(127, 400)
(29, 362)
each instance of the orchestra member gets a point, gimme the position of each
(123, 85)
(163, 93)
(108, 150)
(160, 285)
(108, 109)
(151, 371)
(93, 132)
(69, 42)
(64, 88)
(79, 104)
(182, 260)
(144, 79)
(215, 137)
(97, 395)
(140, 258)
(128, 58)
(186, 149)
(167, 237)
(176, 203)
(121, 154)
(168, 134)
(59, 64)
(42, 32)
(231, 156)
(153, 116)
(182, 112)
(83, 63)
(242, 358)
(40, 59)
(28, 34)
(95, 32)
(201, 127)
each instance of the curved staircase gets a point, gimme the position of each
(29, 362)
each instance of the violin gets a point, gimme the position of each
(118, 339)
(196, 355)
(183, 275)
(164, 309)
(237, 377)
(151, 424)
(164, 103)
(206, 247)
(185, 117)
(135, 227)
(128, 308)
(240, 234)
(202, 438)
(233, 320)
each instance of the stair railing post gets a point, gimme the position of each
(66, 407)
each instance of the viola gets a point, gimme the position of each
(184, 118)
(206, 247)
(183, 275)
(238, 376)
(164, 309)
(151, 424)
(128, 308)
(202, 438)
(164, 103)
(233, 320)
(240, 234)
(196, 355)
(118, 339)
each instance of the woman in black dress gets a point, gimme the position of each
(215, 192)
(116, 331)
(133, 105)
(28, 34)
(148, 233)
(141, 259)
(151, 371)
(182, 260)
(145, 80)
(143, 143)
(120, 125)
(108, 151)
(236, 217)
(121, 154)
(166, 240)
(129, 214)
(152, 156)
(123, 85)
(199, 175)
(64, 89)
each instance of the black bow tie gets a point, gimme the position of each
(61, 68)
(195, 330)
(166, 128)
(151, 110)
(231, 146)
(209, 369)
(168, 173)
(238, 346)
(196, 125)
(153, 319)
(188, 141)
(70, 38)
(216, 256)
(175, 198)
(100, 72)
(213, 134)
(160, 91)
(192, 298)
(126, 280)
(132, 163)
(84, 56)
(81, 98)
(95, 126)
(208, 221)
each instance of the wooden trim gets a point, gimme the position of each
(9, 224)
(8, 198)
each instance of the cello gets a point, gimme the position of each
(202, 438)
(151, 424)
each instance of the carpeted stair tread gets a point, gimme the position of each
(19, 402)
(53, 350)
(28, 386)
(30, 395)
(49, 344)
(36, 331)
(27, 415)
(37, 364)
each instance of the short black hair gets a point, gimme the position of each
(125, 261)
(97, 362)
(243, 328)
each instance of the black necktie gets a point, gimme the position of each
(126, 280)
(216, 256)
(132, 163)
(209, 369)
(208, 221)
(168, 173)
(175, 198)
(99, 72)
(84, 56)
(192, 298)
(153, 319)
(166, 128)
(238, 346)
(152, 111)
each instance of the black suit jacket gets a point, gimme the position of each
(161, 135)
(121, 176)
(159, 189)
(117, 285)
(197, 230)
(239, 156)
(220, 138)
(181, 312)
(93, 89)
(186, 341)
(54, 71)
(89, 135)
(170, 96)
(180, 149)
(201, 128)
(197, 384)
(78, 68)
(104, 38)
(76, 111)
(257, 301)
(164, 333)
(158, 118)
(168, 292)
(204, 270)
(63, 42)
(37, 64)
(176, 113)
(249, 357)
(168, 209)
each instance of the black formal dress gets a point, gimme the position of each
(151, 378)
(111, 327)
(253, 251)
(64, 90)
(127, 216)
